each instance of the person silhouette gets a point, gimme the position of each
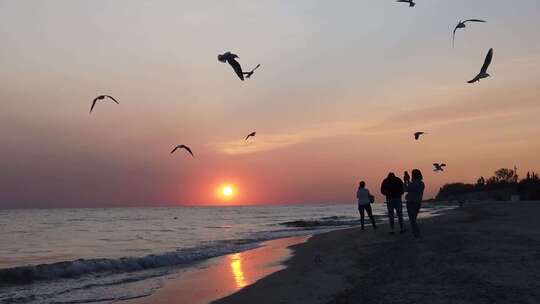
(392, 187)
(365, 199)
(415, 193)
(406, 178)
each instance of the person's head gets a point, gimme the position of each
(362, 184)
(391, 175)
(416, 175)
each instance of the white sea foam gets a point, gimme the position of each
(80, 267)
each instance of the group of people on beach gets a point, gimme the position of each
(393, 189)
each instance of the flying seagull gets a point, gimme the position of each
(483, 72)
(418, 134)
(252, 134)
(101, 97)
(182, 147)
(230, 58)
(460, 25)
(411, 2)
(438, 167)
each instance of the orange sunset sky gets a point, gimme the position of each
(341, 89)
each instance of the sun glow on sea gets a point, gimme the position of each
(236, 268)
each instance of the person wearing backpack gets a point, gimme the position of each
(392, 187)
(365, 199)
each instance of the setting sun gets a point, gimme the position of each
(226, 192)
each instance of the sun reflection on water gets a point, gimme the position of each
(236, 268)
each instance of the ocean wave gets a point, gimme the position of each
(318, 223)
(104, 266)
(329, 221)
(185, 256)
(219, 227)
(77, 268)
(115, 281)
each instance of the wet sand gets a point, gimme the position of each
(482, 253)
(222, 276)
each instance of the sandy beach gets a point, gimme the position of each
(482, 253)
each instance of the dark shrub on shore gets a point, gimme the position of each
(501, 186)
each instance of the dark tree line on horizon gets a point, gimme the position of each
(501, 186)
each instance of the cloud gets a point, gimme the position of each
(404, 122)
(437, 116)
(272, 141)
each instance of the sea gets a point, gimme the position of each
(113, 254)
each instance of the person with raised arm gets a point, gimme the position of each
(365, 199)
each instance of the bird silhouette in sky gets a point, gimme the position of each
(438, 167)
(252, 134)
(483, 72)
(418, 134)
(230, 58)
(461, 25)
(411, 2)
(101, 97)
(182, 147)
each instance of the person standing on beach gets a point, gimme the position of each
(364, 204)
(415, 193)
(392, 187)
(406, 178)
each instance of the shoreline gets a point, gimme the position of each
(177, 279)
(221, 276)
(486, 252)
(183, 287)
(269, 258)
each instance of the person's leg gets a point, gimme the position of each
(370, 214)
(416, 209)
(390, 215)
(361, 209)
(399, 211)
(412, 212)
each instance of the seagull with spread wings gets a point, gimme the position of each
(230, 58)
(438, 167)
(483, 71)
(411, 2)
(418, 134)
(182, 147)
(252, 134)
(101, 97)
(461, 25)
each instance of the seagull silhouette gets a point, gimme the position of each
(182, 147)
(460, 25)
(101, 97)
(230, 58)
(252, 134)
(411, 2)
(483, 71)
(438, 167)
(418, 134)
